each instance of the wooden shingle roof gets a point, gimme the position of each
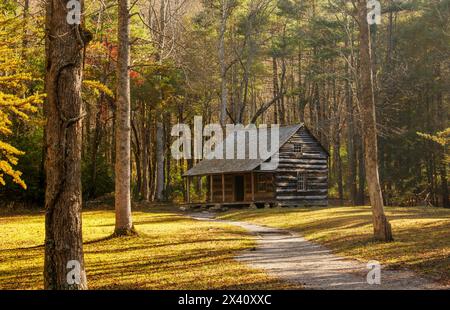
(216, 166)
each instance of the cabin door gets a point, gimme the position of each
(238, 188)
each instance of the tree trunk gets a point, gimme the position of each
(94, 150)
(167, 180)
(275, 90)
(361, 172)
(223, 69)
(124, 224)
(442, 121)
(159, 161)
(136, 147)
(382, 228)
(301, 89)
(351, 154)
(26, 11)
(145, 137)
(64, 262)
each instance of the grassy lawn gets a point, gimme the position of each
(422, 235)
(171, 252)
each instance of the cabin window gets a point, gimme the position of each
(301, 181)
(297, 148)
(264, 182)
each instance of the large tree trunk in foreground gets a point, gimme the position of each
(382, 228)
(64, 263)
(124, 224)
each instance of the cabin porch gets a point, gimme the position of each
(236, 188)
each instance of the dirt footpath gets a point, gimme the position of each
(289, 256)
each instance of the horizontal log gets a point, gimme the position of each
(294, 177)
(303, 161)
(318, 172)
(304, 150)
(294, 190)
(302, 166)
(304, 155)
(309, 187)
(288, 203)
(301, 197)
(311, 175)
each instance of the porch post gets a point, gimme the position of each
(223, 187)
(211, 187)
(188, 186)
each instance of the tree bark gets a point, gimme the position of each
(382, 228)
(124, 224)
(94, 150)
(223, 67)
(159, 161)
(136, 148)
(63, 234)
(351, 154)
(26, 11)
(361, 171)
(145, 193)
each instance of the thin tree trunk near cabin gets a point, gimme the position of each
(137, 159)
(275, 90)
(301, 88)
(351, 154)
(281, 101)
(152, 161)
(112, 138)
(145, 190)
(382, 228)
(161, 117)
(282, 111)
(339, 175)
(167, 155)
(434, 179)
(361, 173)
(124, 224)
(444, 184)
(63, 261)
(430, 177)
(86, 131)
(159, 161)
(311, 103)
(337, 167)
(336, 138)
(26, 9)
(223, 69)
(443, 124)
(234, 97)
(94, 150)
(136, 148)
(145, 132)
(316, 110)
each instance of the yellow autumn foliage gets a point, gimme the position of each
(97, 87)
(15, 102)
(442, 138)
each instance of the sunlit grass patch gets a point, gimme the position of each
(422, 235)
(171, 252)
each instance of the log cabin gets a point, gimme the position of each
(300, 179)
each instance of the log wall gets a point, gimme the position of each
(312, 162)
